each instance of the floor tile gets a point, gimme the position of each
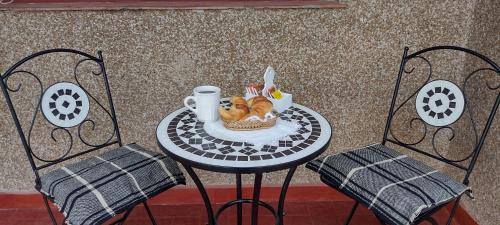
(297, 213)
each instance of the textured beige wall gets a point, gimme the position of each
(341, 63)
(485, 180)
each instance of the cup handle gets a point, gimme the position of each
(186, 101)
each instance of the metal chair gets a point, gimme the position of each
(75, 123)
(396, 187)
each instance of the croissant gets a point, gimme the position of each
(259, 106)
(238, 110)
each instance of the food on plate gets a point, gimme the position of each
(256, 113)
(239, 109)
(259, 106)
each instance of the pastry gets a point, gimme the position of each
(238, 110)
(259, 106)
(256, 113)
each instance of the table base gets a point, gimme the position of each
(239, 201)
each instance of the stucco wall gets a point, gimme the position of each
(484, 181)
(341, 63)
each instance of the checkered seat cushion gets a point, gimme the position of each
(394, 186)
(95, 189)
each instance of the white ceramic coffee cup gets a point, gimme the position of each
(207, 100)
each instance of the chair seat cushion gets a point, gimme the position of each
(394, 186)
(95, 189)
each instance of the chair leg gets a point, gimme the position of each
(428, 219)
(52, 218)
(122, 220)
(453, 210)
(151, 217)
(380, 220)
(351, 213)
(431, 220)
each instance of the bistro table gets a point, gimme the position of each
(181, 136)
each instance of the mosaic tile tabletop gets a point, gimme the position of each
(182, 135)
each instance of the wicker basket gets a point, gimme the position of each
(250, 125)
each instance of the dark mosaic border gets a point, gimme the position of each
(188, 134)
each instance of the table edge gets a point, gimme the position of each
(245, 170)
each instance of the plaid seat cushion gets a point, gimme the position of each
(95, 189)
(394, 186)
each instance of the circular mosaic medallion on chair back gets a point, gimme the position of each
(65, 104)
(440, 103)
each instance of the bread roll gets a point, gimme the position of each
(238, 110)
(259, 106)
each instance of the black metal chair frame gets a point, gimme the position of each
(472, 157)
(114, 139)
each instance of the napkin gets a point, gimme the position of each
(268, 136)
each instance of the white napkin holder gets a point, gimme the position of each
(278, 105)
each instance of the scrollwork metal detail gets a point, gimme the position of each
(53, 136)
(414, 121)
(437, 131)
(424, 134)
(92, 122)
(56, 132)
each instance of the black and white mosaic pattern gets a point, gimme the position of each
(440, 103)
(187, 132)
(189, 136)
(65, 104)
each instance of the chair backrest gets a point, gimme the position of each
(439, 105)
(75, 119)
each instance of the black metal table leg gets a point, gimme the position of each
(284, 189)
(239, 201)
(256, 197)
(203, 192)
(238, 197)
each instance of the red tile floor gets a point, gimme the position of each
(182, 206)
